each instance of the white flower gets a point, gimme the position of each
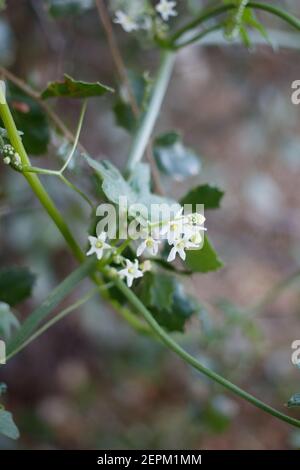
(174, 228)
(126, 21)
(179, 246)
(150, 245)
(196, 219)
(131, 272)
(193, 225)
(98, 245)
(196, 238)
(166, 9)
(146, 266)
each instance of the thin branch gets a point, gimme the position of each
(143, 134)
(168, 341)
(48, 110)
(122, 73)
(116, 54)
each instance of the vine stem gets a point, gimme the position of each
(177, 349)
(211, 13)
(59, 316)
(51, 209)
(144, 132)
(35, 183)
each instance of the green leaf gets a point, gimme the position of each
(140, 86)
(203, 260)
(136, 190)
(209, 196)
(15, 284)
(61, 8)
(173, 158)
(8, 321)
(7, 425)
(158, 290)
(71, 88)
(165, 297)
(140, 179)
(53, 299)
(251, 20)
(183, 308)
(2, 4)
(113, 183)
(294, 401)
(30, 119)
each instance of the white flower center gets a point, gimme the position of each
(99, 244)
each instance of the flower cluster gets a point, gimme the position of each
(11, 157)
(139, 20)
(182, 232)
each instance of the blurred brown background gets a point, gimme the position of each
(90, 382)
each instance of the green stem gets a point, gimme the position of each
(50, 303)
(76, 189)
(199, 36)
(171, 344)
(52, 322)
(211, 13)
(145, 129)
(49, 206)
(35, 183)
(76, 140)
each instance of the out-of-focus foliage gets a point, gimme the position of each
(15, 284)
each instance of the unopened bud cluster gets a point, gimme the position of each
(11, 157)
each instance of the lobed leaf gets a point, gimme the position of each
(136, 189)
(71, 88)
(167, 300)
(209, 196)
(203, 260)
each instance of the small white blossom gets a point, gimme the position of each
(98, 245)
(174, 228)
(131, 272)
(150, 245)
(196, 238)
(179, 246)
(146, 266)
(126, 21)
(195, 219)
(166, 9)
(190, 231)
